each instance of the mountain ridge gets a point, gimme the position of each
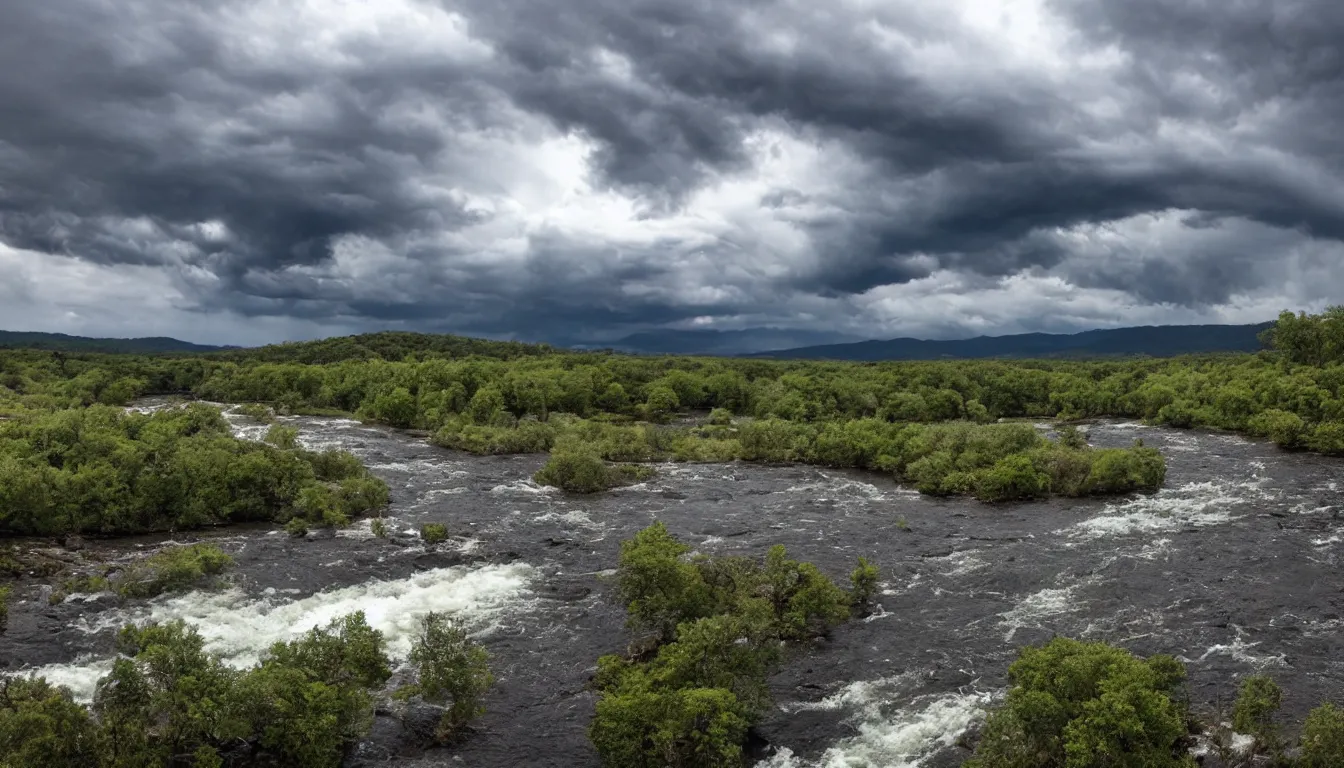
(1146, 340)
(61, 342)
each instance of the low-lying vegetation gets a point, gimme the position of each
(1091, 705)
(709, 630)
(579, 471)
(169, 702)
(175, 569)
(992, 462)
(101, 470)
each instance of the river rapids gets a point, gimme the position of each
(1232, 567)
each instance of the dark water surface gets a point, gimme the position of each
(1232, 567)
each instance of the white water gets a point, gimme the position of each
(240, 629)
(1193, 505)
(1035, 608)
(904, 740)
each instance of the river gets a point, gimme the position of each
(1232, 568)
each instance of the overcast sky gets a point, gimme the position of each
(243, 171)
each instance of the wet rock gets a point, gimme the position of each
(74, 543)
(566, 593)
(438, 559)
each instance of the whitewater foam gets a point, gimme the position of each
(1195, 505)
(1035, 608)
(906, 740)
(240, 628)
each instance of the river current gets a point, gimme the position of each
(1232, 567)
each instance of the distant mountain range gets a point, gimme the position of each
(724, 343)
(62, 342)
(1149, 340)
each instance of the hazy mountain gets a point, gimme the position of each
(709, 342)
(64, 343)
(1153, 341)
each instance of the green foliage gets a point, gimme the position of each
(433, 533)
(166, 697)
(662, 402)
(378, 527)
(452, 671)
(718, 623)
(282, 437)
(582, 471)
(297, 527)
(1286, 429)
(721, 417)
(805, 602)
(42, 727)
(1258, 701)
(1087, 705)
(658, 586)
(864, 583)
(5, 592)
(104, 471)
(256, 412)
(396, 406)
(1323, 738)
(175, 569)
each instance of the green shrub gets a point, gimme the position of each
(297, 527)
(770, 440)
(42, 727)
(721, 417)
(256, 412)
(378, 528)
(396, 407)
(1010, 479)
(717, 623)
(175, 569)
(282, 437)
(805, 602)
(581, 471)
(658, 586)
(702, 727)
(433, 533)
(864, 584)
(451, 670)
(577, 472)
(1258, 701)
(1087, 705)
(661, 403)
(1323, 738)
(1284, 428)
(5, 592)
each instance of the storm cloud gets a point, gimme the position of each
(244, 171)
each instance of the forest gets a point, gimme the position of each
(706, 632)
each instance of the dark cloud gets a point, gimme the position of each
(574, 170)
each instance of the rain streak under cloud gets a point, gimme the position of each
(246, 171)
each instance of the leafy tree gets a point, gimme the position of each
(1258, 701)
(659, 587)
(451, 670)
(1323, 738)
(864, 580)
(42, 727)
(661, 403)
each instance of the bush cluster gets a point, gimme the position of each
(1091, 705)
(169, 702)
(714, 627)
(102, 470)
(175, 569)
